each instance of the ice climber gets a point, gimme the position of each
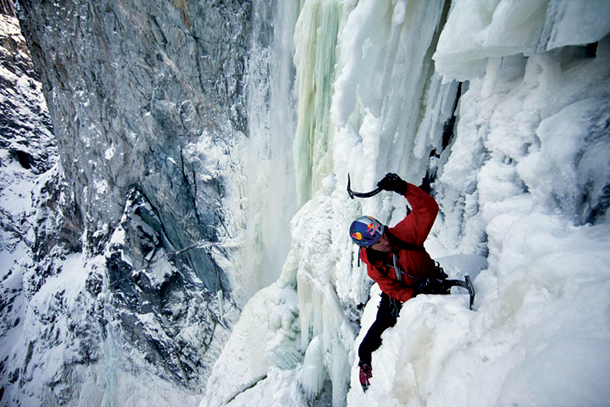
(397, 261)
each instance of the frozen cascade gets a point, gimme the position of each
(109, 352)
(515, 185)
(315, 54)
(269, 185)
(327, 296)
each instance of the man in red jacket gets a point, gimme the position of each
(397, 261)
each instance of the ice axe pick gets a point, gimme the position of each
(353, 194)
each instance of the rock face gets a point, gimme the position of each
(123, 269)
(27, 145)
(136, 91)
(25, 125)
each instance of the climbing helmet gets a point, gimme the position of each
(366, 231)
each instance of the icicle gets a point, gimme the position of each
(220, 297)
(314, 371)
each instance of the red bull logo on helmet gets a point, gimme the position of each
(371, 228)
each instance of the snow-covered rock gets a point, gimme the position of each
(112, 268)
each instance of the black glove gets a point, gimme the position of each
(392, 182)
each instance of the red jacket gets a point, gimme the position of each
(414, 229)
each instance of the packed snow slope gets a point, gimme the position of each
(523, 183)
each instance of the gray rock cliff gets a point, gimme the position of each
(123, 261)
(132, 88)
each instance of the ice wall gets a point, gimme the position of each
(315, 56)
(362, 73)
(516, 183)
(477, 31)
(520, 183)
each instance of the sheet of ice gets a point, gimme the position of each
(574, 23)
(320, 264)
(382, 82)
(476, 31)
(516, 187)
(131, 390)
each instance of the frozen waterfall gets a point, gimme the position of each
(523, 187)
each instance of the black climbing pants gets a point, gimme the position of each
(389, 308)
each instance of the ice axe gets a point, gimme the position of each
(353, 194)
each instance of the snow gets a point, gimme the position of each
(539, 339)
(72, 276)
(280, 388)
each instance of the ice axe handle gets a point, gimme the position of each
(353, 194)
